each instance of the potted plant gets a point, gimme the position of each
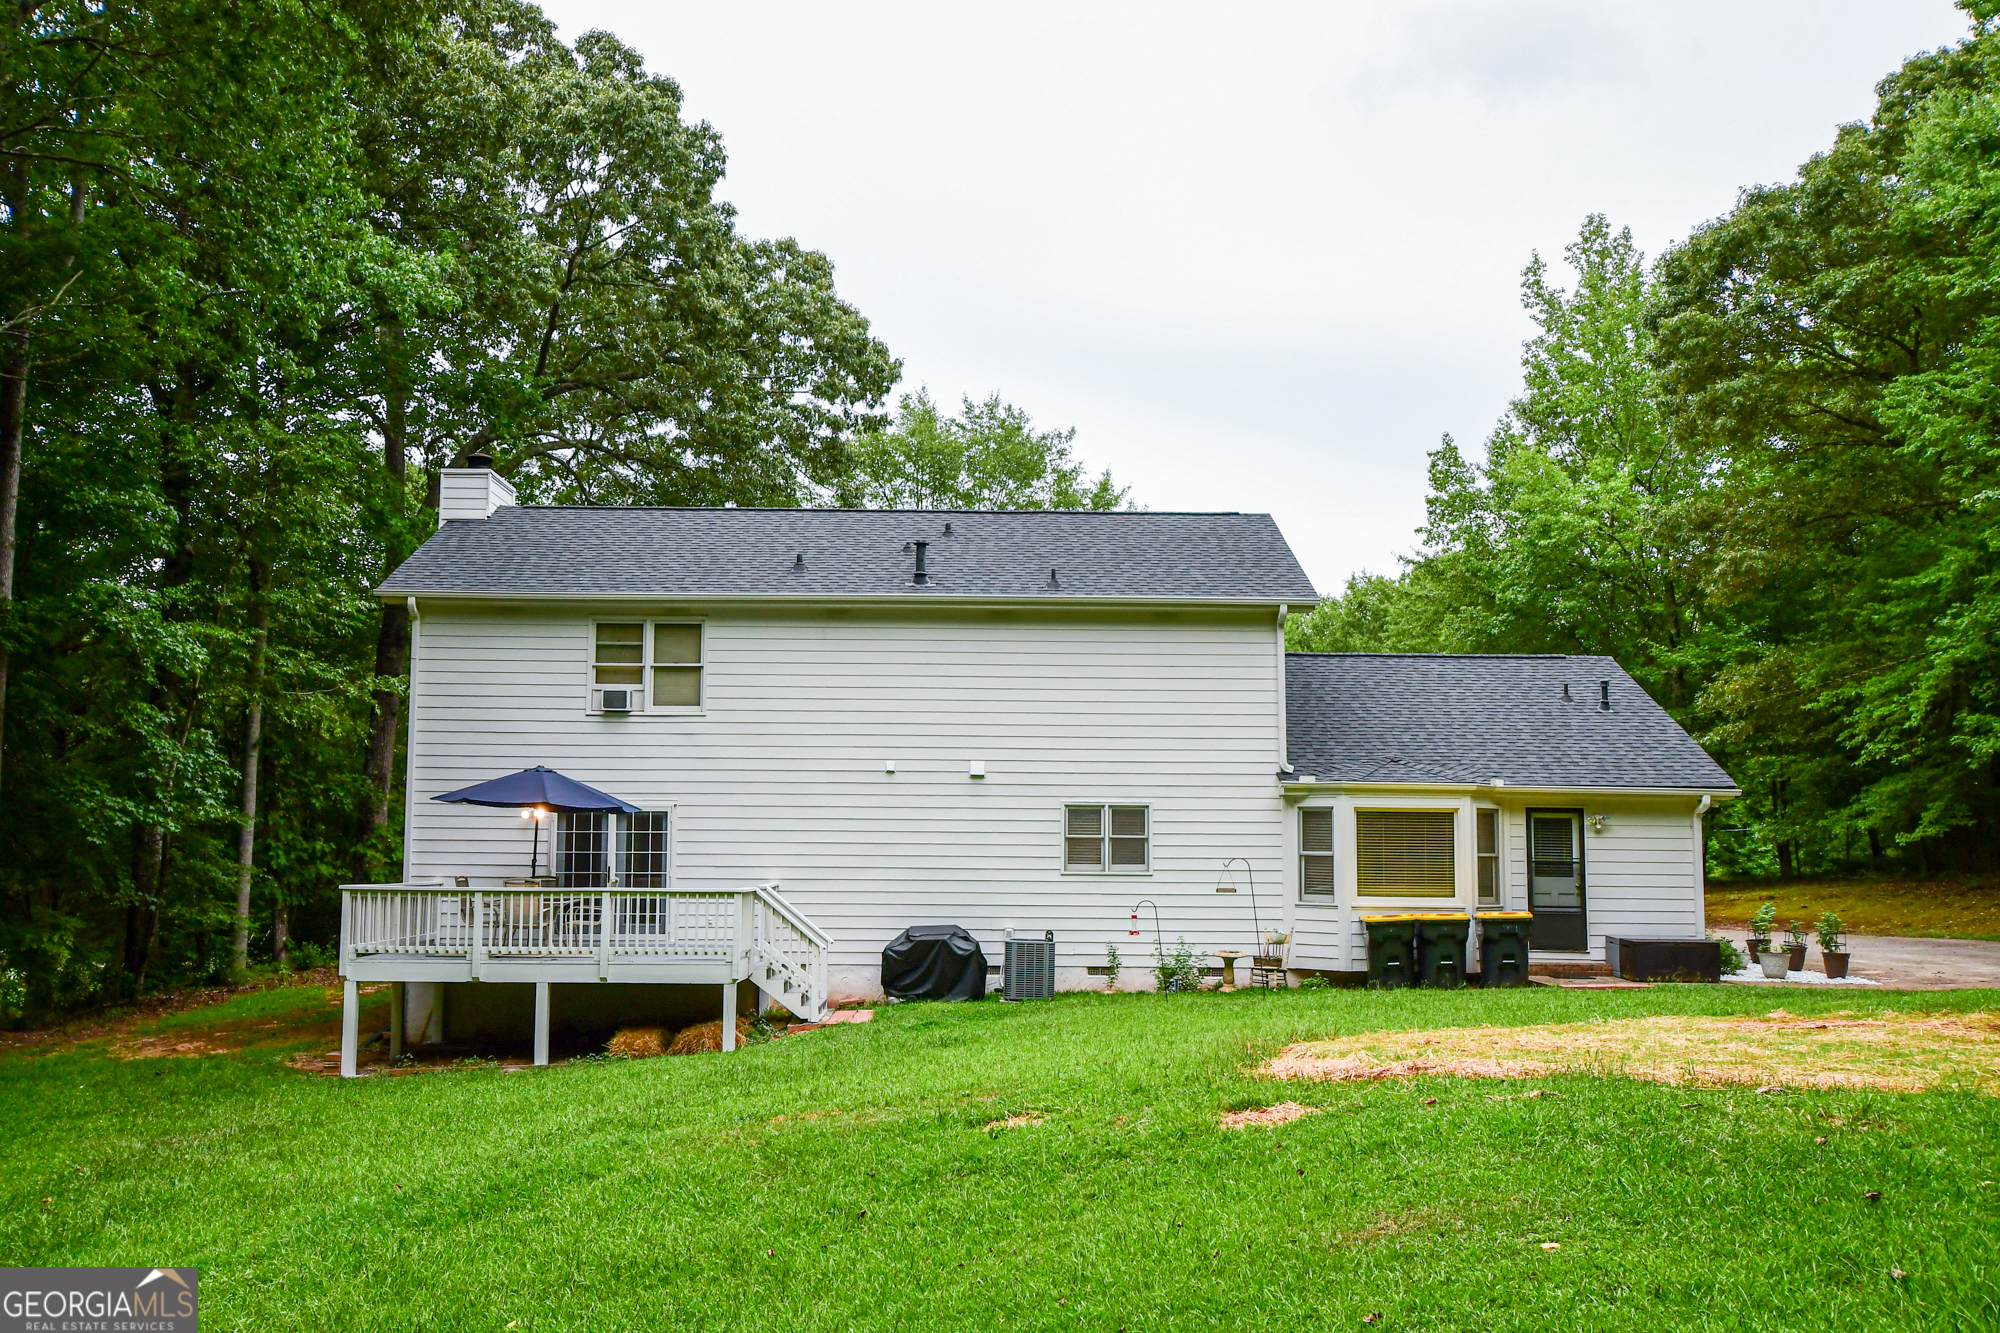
(1111, 965)
(1832, 944)
(1795, 945)
(1760, 930)
(1274, 949)
(1775, 962)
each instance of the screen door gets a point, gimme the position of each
(1555, 881)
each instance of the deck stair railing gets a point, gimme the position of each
(754, 931)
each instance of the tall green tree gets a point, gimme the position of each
(990, 456)
(1833, 337)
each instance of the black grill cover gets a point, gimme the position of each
(934, 963)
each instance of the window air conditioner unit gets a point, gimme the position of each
(618, 701)
(1031, 969)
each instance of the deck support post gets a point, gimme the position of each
(350, 1026)
(728, 1015)
(541, 1022)
(397, 1006)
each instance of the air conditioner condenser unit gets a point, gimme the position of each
(1030, 972)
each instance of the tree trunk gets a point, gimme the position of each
(281, 934)
(253, 744)
(13, 419)
(148, 844)
(1785, 859)
(393, 638)
(391, 660)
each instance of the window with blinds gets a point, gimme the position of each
(1405, 853)
(1316, 853)
(1489, 857)
(1107, 837)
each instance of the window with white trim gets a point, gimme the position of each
(1316, 853)
(1114, 838)
(1489, 857)
(676, 664)
(659, 660)
(1405, 853)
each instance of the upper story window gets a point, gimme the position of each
(1489, 857)
(1405, 853)
(1316, 853)
(1107, 837)
(676, 665)
(660, 661)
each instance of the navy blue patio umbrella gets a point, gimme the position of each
(541, 790)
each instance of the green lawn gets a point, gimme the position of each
(670, 1193)
(1942, 909)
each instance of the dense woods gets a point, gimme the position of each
(1763, 473)
(264, 270)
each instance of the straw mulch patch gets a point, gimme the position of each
(1888, 1053)
(1281, 1114)
(1020, 1121)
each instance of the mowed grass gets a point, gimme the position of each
(844, 1179)
(1939, 909)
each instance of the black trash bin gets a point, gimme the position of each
(1503, 948)
(1441, 938)
(1391, 949)
(934, 963)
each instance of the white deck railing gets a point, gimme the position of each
(753, 931)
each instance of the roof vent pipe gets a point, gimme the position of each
(1604, 695)
(1565, 691)
(1052, 580)
(922, 577)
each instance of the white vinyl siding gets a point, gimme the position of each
(781, 775)
(1316, 853)
(1405, 853)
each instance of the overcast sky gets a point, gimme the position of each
(1260, 256)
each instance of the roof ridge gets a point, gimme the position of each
(1482, 657)
(816, 509)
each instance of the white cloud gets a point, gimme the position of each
(1261, 256)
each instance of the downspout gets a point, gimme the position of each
(410, 745)
(1701, 860)
(1284, 743)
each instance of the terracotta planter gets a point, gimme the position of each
(1775, 962)
(1758, 945)
(1836, 963)
(1798, 956)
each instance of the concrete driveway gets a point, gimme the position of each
(1917, 964)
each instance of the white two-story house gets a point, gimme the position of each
(822, 726)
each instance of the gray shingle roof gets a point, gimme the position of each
(580, 550)
(1368, 717)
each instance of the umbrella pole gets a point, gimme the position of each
(535, 856)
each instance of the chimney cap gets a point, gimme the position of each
(479, 458)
